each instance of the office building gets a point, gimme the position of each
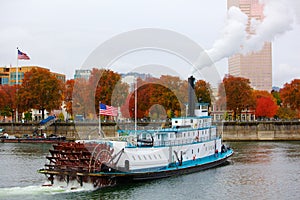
(82, 73)
(8, 75)
(257, 67)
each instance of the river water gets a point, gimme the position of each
(257, 170)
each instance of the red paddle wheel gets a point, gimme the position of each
(76, 161)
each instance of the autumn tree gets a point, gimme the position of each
(3, 97)
(265, 107)
(266, 104)
(109, 88)
(143, 101)
(261, 93)
(238, 94)
(156, 94)
(103, 86)
(167, 91)
(8, 99)
(82, 97)
(203, 91)
(286, 113)
(40, 90)
(125, 108)
(174, 95)
(290, 95)
(68, 93)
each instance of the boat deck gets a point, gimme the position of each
(172, 169)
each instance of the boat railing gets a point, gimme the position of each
(184, 141)
(176, 142)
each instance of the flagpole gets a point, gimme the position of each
(99, 119)
(17, 67)
(17, 80)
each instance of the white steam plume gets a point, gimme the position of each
(279, 17)
(233, 35)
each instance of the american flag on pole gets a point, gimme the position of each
(22, 56)
(108, 110)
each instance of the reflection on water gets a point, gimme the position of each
(252, 152)
(258, 170)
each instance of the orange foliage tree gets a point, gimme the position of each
(265, 107)
(103, 86)
(266, 104)
(82, 97)
(40, 90)
(169, 92)
(8, 100)
(259, 93)
(203, 91)
(290, 95)
(286, 113)
(109, 88)
(238, 94)
(68, 92)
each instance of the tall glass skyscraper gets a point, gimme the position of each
(257, 67)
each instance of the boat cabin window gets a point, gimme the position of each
(133, 157)
(150, 157)
(191, 120)
(176, 122)
(145, 157)
(172, 135)
(139, 157)
(155, 157)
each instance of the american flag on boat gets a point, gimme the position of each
(108, 110)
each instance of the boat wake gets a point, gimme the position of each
(43, 190)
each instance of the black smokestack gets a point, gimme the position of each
(191, 93)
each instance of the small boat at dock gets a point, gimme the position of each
(12, 139)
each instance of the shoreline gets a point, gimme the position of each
(230, 131)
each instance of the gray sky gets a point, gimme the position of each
(60, 35)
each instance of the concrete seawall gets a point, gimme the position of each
(69, 130)
(231, 131)
(265, 131)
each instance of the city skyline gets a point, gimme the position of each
(61, 35)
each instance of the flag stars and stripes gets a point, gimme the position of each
(108, 110)
(22, 56)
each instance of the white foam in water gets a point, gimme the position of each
(58, 187)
